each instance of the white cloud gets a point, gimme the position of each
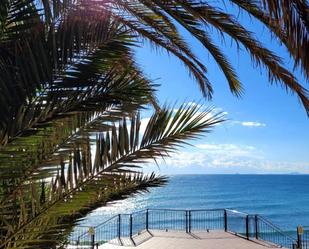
(186, 159)
(231, 158)
(248, 123)
(253, 124)
(208, 146)
(227, 149)
(214, 156)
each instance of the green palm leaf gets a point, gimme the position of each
(120, 151)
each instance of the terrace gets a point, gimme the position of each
(184, 229)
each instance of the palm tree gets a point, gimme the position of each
(67, 89)
(70, 86)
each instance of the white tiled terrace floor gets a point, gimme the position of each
(196, 240)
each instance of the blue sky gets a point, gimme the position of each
(267, 131)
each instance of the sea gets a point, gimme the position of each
(282, 199)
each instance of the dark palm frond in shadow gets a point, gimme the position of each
(69, 33)
(79, 181)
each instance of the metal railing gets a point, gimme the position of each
(94, 236)
(203, 220)
(80, 236)
(236, 222)
(269, 232)
(125, 226)
(165, 219)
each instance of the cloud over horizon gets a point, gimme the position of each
(230, 158)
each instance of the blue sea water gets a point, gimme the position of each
(283, 199)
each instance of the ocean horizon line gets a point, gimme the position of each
(263, 174)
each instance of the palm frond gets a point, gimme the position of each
(193, 25)
(196, 16)
(262, 56)
(90, 114)
(50, 229)
(119, 150)
(36, 60)
(293, 18)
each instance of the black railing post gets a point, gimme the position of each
(147, 220)
(189, 217)
(300, 231)
(119, 227)
(186, 217)
(299, 244)
(247, 226)
(131, 228)
(92, 241)
(225, 220)
(256, 227)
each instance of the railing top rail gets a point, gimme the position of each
(135, 212)
(207, 210)
(183, 210)
(236, 212)
(139, 211)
